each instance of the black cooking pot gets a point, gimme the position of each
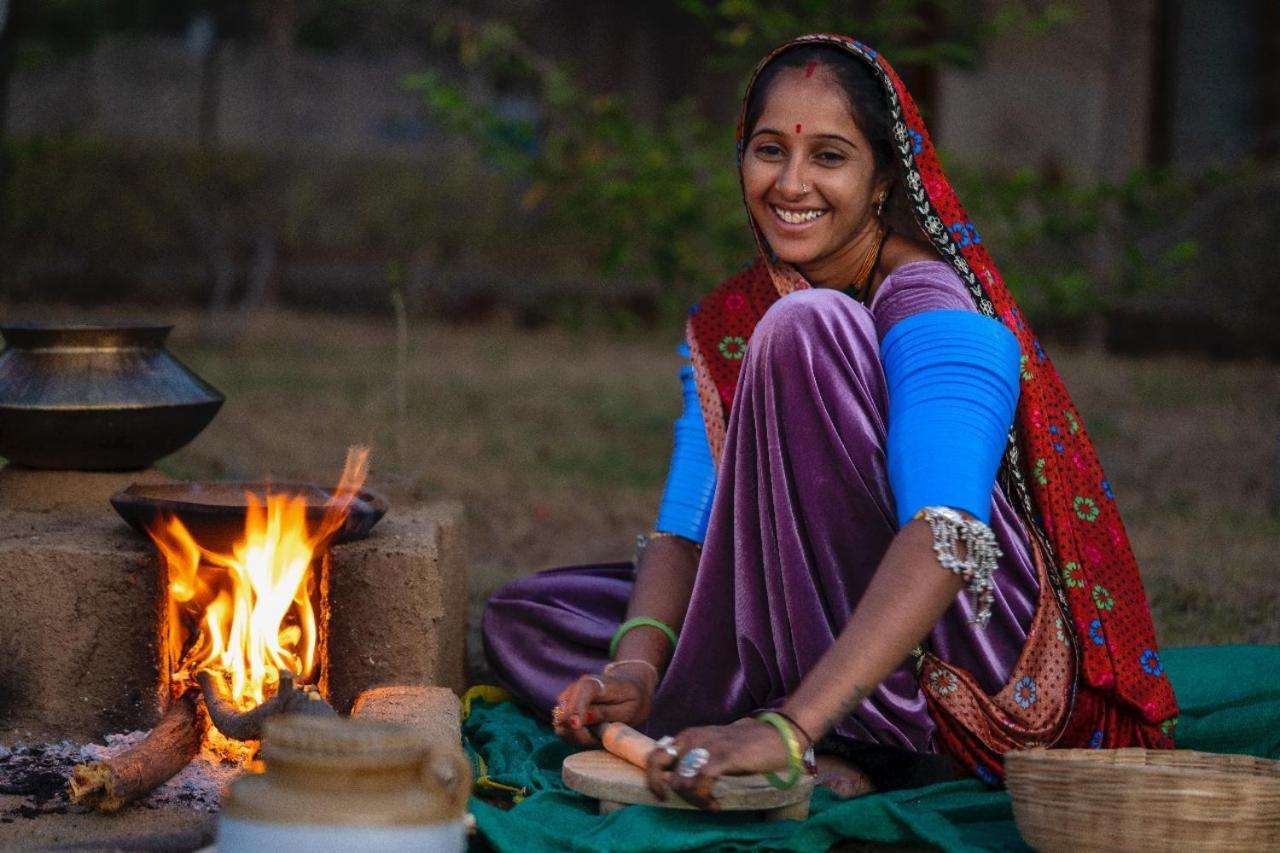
(96, 397)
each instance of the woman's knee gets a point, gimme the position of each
(809, 321)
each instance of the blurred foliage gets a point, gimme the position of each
(1164, 260)
(653, 202)
(537, 190)
(915, 32)
(112, 209)
(72, 197)
(663, 199)
(1068, 251)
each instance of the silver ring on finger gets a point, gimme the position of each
(598, 680)
(557, 716)
(692, 762)
(667, 745)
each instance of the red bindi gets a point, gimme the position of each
(797, 128)
(810, 68)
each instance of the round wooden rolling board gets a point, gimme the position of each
(607, 778)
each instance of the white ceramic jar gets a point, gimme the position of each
(333, 784)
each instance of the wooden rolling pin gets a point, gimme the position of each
(625, 742)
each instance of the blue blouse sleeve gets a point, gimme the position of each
(952, 379)
(691, 480)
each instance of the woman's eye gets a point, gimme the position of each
(831, 158)
(769, 149)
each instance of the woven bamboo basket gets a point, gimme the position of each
(1144, 799)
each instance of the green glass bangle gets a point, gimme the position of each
(794, 758)
(636, 623)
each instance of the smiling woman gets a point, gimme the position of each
(815, 184)
(837, 570)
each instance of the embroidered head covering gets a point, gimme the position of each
(1051, 471)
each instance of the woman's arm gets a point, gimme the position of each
(664, 582)
(905, 599)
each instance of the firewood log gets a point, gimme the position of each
(247, 725)
(110, 784)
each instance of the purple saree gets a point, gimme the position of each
(802, 516)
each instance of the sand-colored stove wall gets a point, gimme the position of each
(398, 604)
(80, 608)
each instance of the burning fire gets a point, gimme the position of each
(250, 613)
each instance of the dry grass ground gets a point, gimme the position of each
(556, 443)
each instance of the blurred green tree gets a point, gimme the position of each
(661, 200)
(33, 30)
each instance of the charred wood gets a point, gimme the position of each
(110, 784)
(247, 725)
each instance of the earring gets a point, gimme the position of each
(884, 194)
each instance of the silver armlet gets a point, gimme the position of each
(981, 553)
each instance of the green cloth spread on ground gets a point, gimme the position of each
(1230, 702)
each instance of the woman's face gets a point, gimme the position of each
(809, 177)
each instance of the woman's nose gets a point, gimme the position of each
(791, 183)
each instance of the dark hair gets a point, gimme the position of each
(861, 89)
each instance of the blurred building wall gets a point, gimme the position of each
(149, 89)
(1075, 99)
(1213, 84)
(1127, 83)
(1124, 84)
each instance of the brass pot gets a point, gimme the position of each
(96, 397)
(337, 784)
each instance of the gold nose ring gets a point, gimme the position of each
(804, 188)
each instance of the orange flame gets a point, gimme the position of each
(249, 614)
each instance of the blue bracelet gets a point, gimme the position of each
(691, 481)
(952, 379)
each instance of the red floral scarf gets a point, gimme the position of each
(1090, 673)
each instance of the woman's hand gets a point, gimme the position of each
(624, 694)
(747, 746)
